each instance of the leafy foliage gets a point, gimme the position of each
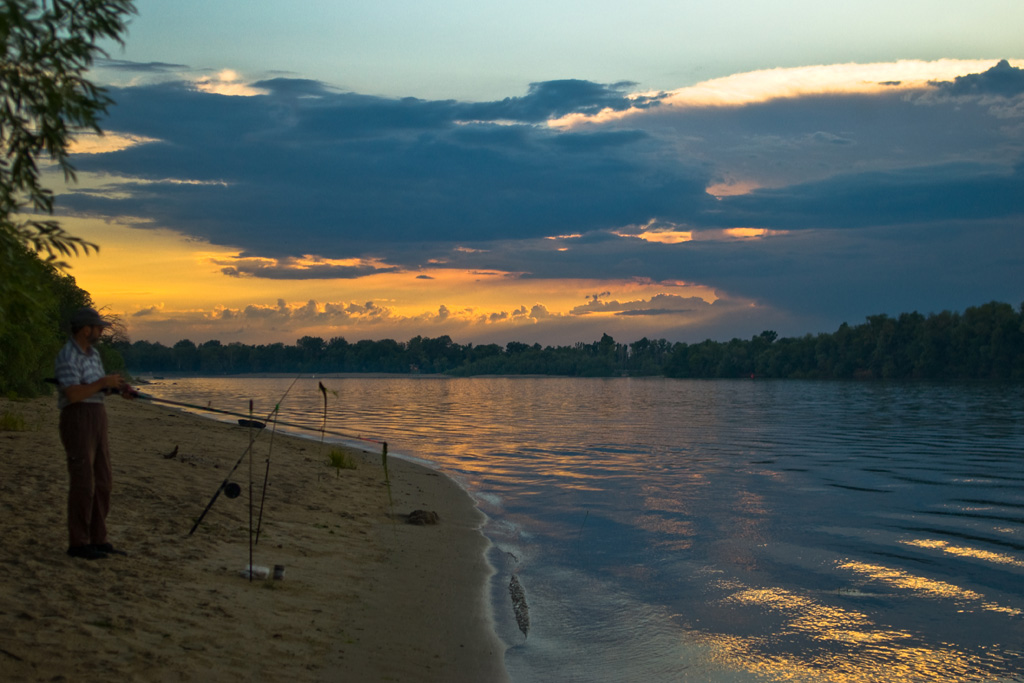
(985, 342)
(37, 313)
(45, 99)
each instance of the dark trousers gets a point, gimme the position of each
(83, 431)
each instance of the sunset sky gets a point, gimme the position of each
(548, 172)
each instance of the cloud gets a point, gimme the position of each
(554, 99)
(759, 87)
(598, 142)
(260, 323)
(1003, 80)
(148, 311)
(360, 319)
(855, 188)
(90, 143)
(540, 312)
(908, 197)
(293, 87)
(227, 82)
(662, 304)
(343, 173)
(305, 268)
(140, 67)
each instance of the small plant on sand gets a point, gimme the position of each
(12, 422)
(340, 460)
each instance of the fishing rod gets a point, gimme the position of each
(238, 462)
(154, 399)
(210, 409)
(135, 393)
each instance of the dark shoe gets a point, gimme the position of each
(86, 552)
(109, 549)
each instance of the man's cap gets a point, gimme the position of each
(87, 316)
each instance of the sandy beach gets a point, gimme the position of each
(366, 596)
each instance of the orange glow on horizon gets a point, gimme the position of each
(167, 287)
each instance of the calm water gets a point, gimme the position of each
(670, 530)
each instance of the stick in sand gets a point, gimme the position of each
(250, 490)
(266, 475)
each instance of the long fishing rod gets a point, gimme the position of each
(194, 406)
(238, 462)
(154, 399)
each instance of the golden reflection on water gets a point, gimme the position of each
(965, 551)
(816, 620)
(871, 665)
(879, 665)
(853, 648)
(930, 588)
(897, 578)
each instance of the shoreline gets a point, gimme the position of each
(365, 595)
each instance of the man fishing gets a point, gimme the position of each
(81, 385)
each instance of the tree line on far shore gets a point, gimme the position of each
(983, 342)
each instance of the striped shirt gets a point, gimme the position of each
(74, 366)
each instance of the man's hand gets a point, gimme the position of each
(108, 384)
(111, 384)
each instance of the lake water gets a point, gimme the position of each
(678, 530)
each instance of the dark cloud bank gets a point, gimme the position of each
(890, 202)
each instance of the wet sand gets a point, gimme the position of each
(366, 596)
